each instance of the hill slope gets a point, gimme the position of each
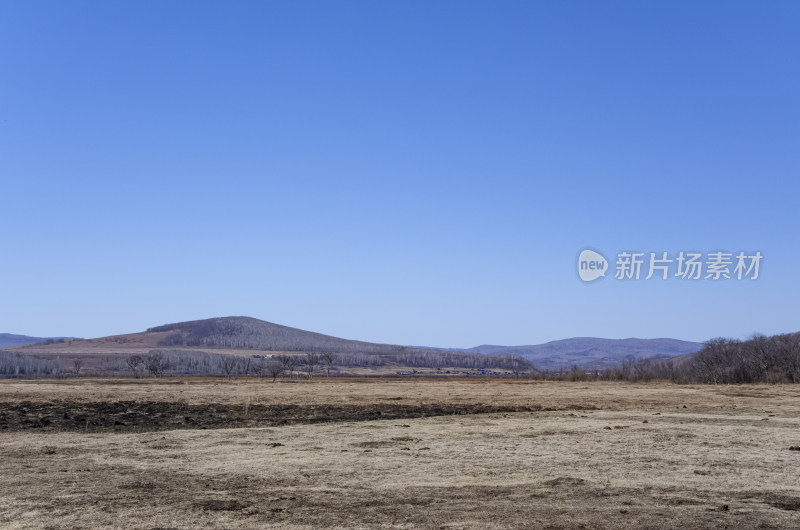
(224, 333)
(590, 352)
(251, 333)
(8, 340)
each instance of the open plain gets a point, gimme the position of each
(399, 453)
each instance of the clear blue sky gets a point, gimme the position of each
(406, 172)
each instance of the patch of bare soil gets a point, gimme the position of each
(136, 416)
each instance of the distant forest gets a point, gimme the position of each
(761, 359)
(183, 362)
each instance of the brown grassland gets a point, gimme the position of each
(366, 453)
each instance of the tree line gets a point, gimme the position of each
(13, 364)
(194, 362)
(472, 361)
(760, 359)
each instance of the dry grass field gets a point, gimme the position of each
(366, 453)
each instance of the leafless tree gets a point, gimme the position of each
(77, 364)
(791, 352)
(228, 363)
(154, 362)
(274, 369)
(134, 362)
(247, 366)
(260, 366)
(310, 361)
(328, 358)
(289, 363)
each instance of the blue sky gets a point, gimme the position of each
(405, 172)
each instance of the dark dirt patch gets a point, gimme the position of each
(147, 485)
(397, 440)
(374, 444)
(220, 505)
(565, 481)
(745, 394)
(405, 439)
(791, 504)
(135, 416)
(680, 501)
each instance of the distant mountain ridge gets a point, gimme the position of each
(9, 340)
(246, 333)
(592, 352)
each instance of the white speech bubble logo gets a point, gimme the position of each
(591, 265)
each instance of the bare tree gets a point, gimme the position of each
(77, 364)
(247, 367)
(310, 361)
(228, 363)
(791, 352)
(133, 362)
(154, 363)
(289, 363)
(275, 370)
(328, 358)
(261, 365)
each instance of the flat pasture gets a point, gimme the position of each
(396, 453)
